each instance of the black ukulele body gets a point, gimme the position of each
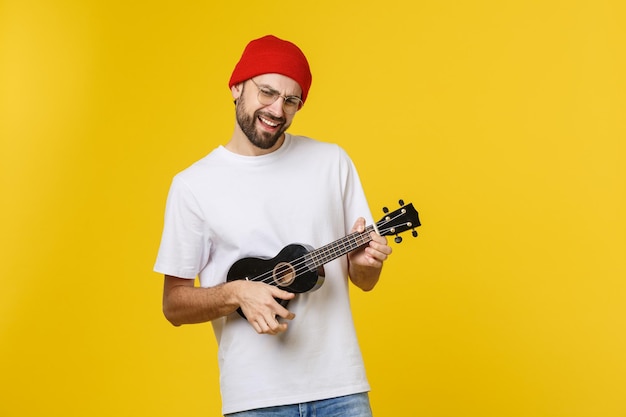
(291, 270)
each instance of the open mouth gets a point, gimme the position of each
(268, 122)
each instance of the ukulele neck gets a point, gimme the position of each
(334, 250)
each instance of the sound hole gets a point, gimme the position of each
(284, 274)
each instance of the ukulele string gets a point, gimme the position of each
(300, 264)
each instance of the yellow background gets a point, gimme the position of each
(502, 121)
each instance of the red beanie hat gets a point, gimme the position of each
(270, 54)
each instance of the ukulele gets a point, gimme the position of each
(298, 268)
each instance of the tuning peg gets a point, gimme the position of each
(385, 210)
(401, 202)
(397, 239)
(414, 233)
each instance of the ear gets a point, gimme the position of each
(236, 90)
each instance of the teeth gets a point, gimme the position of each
(268, 122)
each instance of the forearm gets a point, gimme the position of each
(186, 304)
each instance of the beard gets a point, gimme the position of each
(247, 123)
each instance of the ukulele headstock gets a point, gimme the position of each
(398, 221)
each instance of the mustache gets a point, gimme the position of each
(271, 117)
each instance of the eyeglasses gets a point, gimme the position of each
(267, 96)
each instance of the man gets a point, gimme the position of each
(263, 190)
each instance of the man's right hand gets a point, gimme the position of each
(184, 303)
(257, 301)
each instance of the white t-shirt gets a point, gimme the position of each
(228, 206)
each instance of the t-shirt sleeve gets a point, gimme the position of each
(184, 248)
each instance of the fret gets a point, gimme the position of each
(334, 250)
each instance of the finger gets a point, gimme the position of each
(257, 327)
(276, 326)
(262, 326)
(268, 323)
(284, 313)
(373, 262)
(381, 252)
(374, 257)
(379, 243)
(378, 238)
(270, 326)
(282, 294)
(359, 225)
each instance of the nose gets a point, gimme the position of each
(276, 107)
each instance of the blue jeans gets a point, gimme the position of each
(356, 405)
